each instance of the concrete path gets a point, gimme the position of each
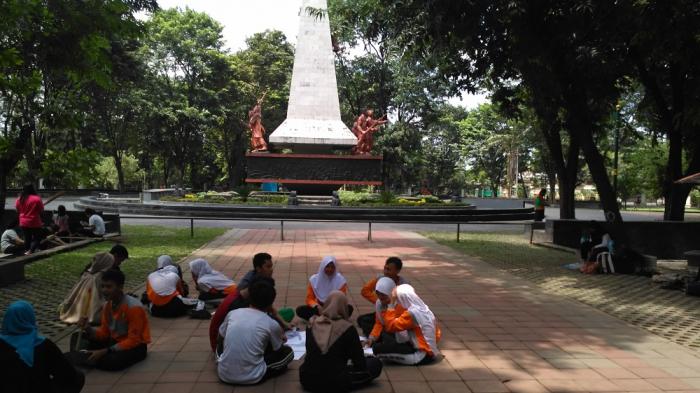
(500, 333)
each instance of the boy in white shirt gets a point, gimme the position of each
(95, 226)
(250, 346)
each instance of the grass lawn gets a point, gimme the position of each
(145, 244)
(504, 250)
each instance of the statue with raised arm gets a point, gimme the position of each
(257, 131)
(364, 128)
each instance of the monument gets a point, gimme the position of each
(311, 151)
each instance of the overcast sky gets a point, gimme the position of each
(241, 19)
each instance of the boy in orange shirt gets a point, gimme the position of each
(120, 340)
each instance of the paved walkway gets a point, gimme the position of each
(500, 332)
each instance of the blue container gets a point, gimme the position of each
(270, 187)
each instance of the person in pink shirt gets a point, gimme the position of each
(29, 208)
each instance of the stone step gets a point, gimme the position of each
(315, 200)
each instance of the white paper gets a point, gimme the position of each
(368, 350)
(297, 341)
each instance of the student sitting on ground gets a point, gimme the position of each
(120, 254)
(421, 329)
(87, 292)
(11, 242)
(30, 362)
(392, 268)
(240, 298)
(250, 346)
(331, 341)
(321, 284)
(210, 283)
(61, 222)
(124, 332)
(164, 288)
(95, 226)
(383, 305)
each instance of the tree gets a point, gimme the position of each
(575, 46)
(183, 48)
(49, 51)
(481, 132)
(666, 53)
(441, 146)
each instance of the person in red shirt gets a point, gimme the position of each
(29, 208)
(121, 339)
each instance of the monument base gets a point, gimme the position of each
(317, 174)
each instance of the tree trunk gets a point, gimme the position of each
(3, 193)
(567, 182)
(120, 172)
(567, 203)
(552, 188)
(596, 166)
(674, 209)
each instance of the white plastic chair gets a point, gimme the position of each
(606, 262)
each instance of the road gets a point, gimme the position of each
(552, 213)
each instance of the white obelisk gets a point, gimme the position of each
(313, 117)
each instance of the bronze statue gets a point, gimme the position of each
(364, 128)
(257, 131)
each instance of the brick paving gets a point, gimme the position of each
(501, 333)
(633, 299)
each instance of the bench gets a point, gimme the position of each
(12, 266)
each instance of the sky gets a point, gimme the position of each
(243, 18)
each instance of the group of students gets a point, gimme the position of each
(247, 334)
(117, 339)
(29, 232)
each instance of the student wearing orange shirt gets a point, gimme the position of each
(164, 289)
(210, 283)
(121, 339)
(418, 333)
(321, 284)
(392, 268)
(384, 288)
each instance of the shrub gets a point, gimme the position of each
(387, 197)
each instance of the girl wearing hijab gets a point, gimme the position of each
(87, 290)
(418, 333)
(210, 283)
(165, 290)
(384, 289)
(30, 362)
(321, 284)
(331, 341)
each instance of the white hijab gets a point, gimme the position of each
(164, 281)
(420, 312)
(208, 277)
(322, 284)
(164, 260)
(384, 285)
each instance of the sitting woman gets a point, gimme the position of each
(331, 341)
(210, 283)
(165, 290)
(11, 242)
(384, 289)
(321, 284)
(30, 362)
(61, 222)
(598, 234)
(87, 292)
(418, 326)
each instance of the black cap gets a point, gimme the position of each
(119, 250)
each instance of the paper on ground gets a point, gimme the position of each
(297, 341)
(368, 350)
